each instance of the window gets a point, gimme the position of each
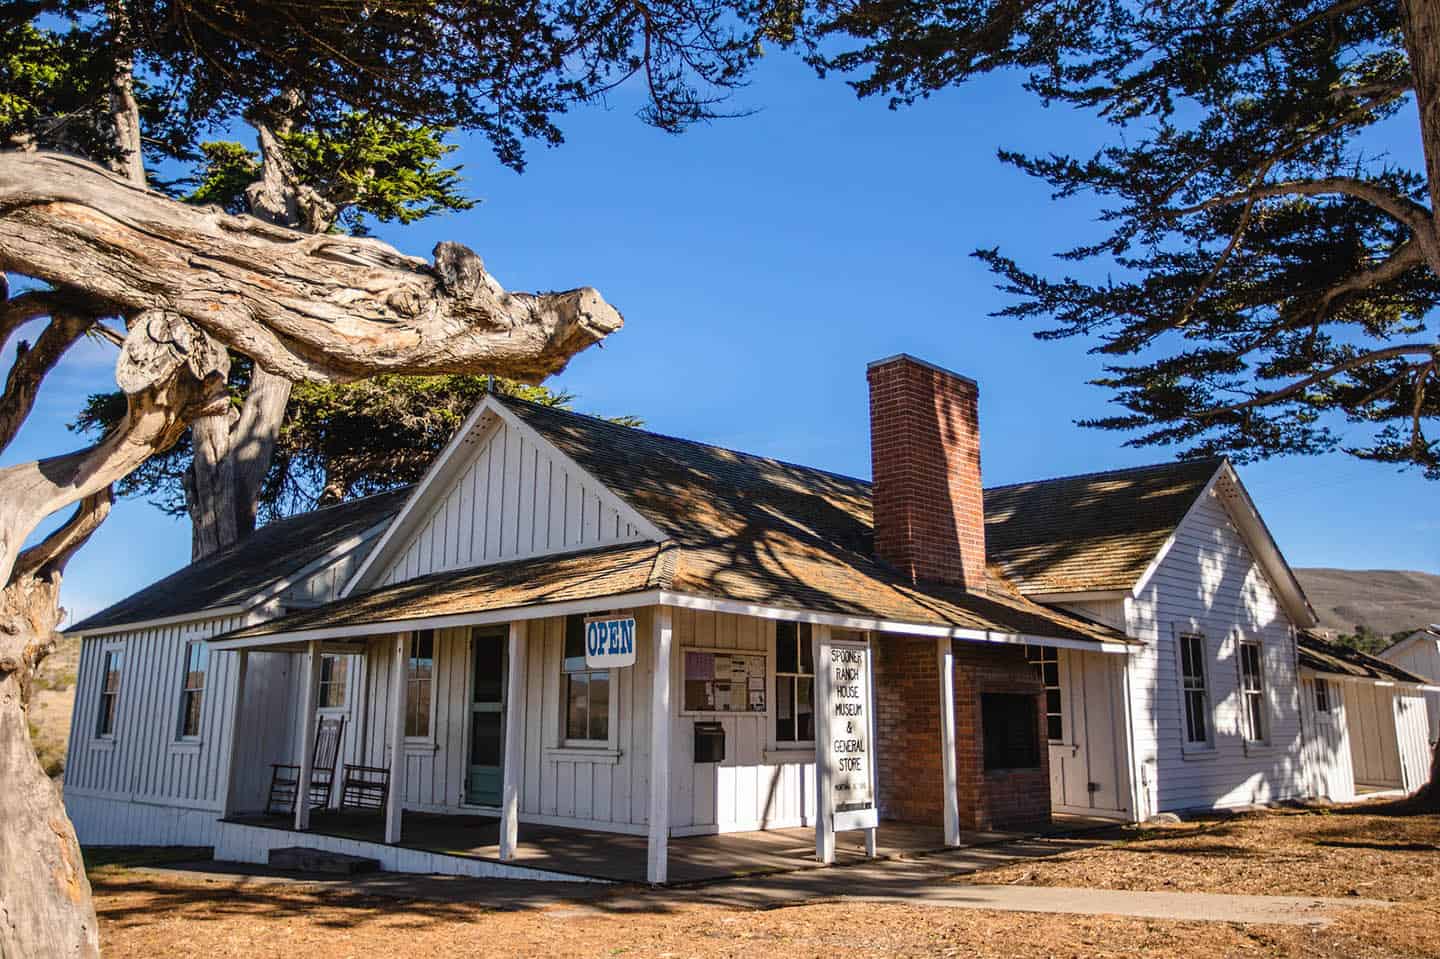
(1193, 689)
(419, 679)
(1046, 660)
(1011, 727)
(1322, 696)
(587, 691)
(110, 669)
(794, 684)
(334, 670)
(192, 688)
(1252, 689)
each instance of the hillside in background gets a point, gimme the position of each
(1383, 601)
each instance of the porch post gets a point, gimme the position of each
(945, 662)
(232, 724)
(396, 798)
(514, 742)
(657, 867)
(824, 804)
(308, 700)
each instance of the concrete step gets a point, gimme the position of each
(301, 859)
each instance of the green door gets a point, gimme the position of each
(487, 718)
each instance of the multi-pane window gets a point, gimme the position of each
(794, 684)
(1193, 688)
(192, 688)
(334, 671)
(1046, 660)
(1322, 696)
(110, 669)
(587, 691)
(1252, 690)
(419, 683)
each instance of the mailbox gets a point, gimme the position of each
(709, 743)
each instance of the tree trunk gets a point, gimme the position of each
(1420, 23)
(45, 906)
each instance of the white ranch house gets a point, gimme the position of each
(1111, 645)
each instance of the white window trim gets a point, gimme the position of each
(1326, 715)
(600, 749)
(1254, 745)
(99, 740)
(1188, 749)
(428, 741)
(180, 738)
(344, 708)
(1042, 652)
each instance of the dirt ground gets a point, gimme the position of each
(1390, 856)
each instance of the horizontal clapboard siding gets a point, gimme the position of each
(1208, 582)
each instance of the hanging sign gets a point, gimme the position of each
(848, 749)
(610, 642)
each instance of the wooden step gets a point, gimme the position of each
(301, 859)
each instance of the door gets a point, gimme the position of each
(1087, 769)
(485, 773)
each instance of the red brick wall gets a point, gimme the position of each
(925, 460)
(907, 747)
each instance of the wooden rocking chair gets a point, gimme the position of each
(365, 789)
(285, 779)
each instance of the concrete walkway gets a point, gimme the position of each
(935, 880)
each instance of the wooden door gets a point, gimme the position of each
(485, 771)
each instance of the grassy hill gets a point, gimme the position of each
(51, 701)
(1384, 601)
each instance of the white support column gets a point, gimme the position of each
(824, 791)
(872, 836)
(514, 759)
(396, 799)
(660, 721)
(945, 663)
(308, 701)
(232, 725)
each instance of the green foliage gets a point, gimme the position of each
(337, 441)
(51, 89)
(226, 169)
(1258, 288)
(1368, 641)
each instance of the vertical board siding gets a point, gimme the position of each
(515, 499)
(1210, 583)
(1327, 742)
(1422, 658)
(1374, 749)
(1093, 750)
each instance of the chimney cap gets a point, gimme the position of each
(906, 357)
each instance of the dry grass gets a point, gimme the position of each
(1378, 852)
(144, 914)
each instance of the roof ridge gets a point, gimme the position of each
(1216, 460)
(681, 439)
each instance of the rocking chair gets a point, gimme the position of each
(285, 778)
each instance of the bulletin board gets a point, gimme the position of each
(723, 681)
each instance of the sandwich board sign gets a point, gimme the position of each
(610, 642)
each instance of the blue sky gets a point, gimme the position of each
(761, 262)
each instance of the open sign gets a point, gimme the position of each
(610, 642)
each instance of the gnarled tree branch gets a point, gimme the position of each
(32, 364)
(302, 306)
(48, 557)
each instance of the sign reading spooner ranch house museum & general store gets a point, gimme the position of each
(849, 726)
(610, 642)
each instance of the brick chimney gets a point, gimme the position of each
(925, 459)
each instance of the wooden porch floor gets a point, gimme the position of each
(619, 857)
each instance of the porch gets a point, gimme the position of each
(566, 852)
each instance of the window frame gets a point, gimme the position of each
(102, 732)
(1187, 686)
(804, 639)
(1040, 657)
(1026, 704)
(186, 692)
(612, 698)
(1324, 694)
(426, 738)
(1247, 694)
(344, 682)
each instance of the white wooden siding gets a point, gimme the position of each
(145, 761)
(1327, 742)
(1374, 750)
(1210, 583)
(324, 584)
(1412, 735)
(1421, 657)
(515, 499)
(1092, 702)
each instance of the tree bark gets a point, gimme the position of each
(45, 907)
(1420, 23)
(301, 306)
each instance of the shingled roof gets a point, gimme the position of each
(738, 527)
(233, 576)
(1334, 659)
(1094, 532)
